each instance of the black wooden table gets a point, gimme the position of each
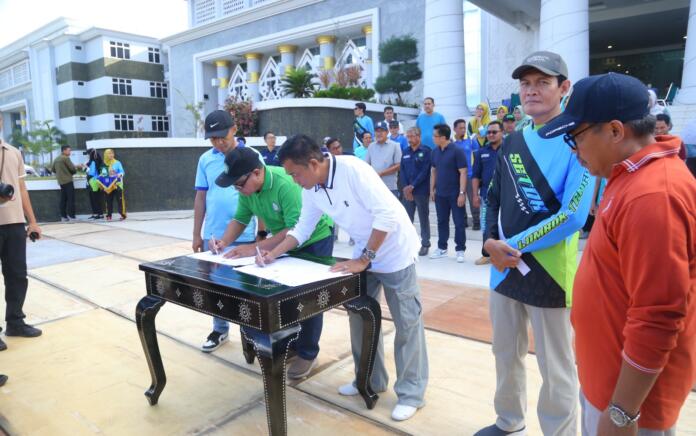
(255, 303)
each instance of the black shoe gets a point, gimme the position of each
(3, 345)
(494, 430)
(423, 251)
(215, 339)
(477, 227)
(23, 330)
(3, 379)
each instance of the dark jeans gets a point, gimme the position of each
(443, 207)
(13, 256)
(118, 194)
(307, 343)
(422, 203)
(67, 200)
(475, 211)
(96, 200)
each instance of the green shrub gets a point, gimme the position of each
(343, 93)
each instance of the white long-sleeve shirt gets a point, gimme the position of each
(358, 201)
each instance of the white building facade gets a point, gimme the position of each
(91, 83)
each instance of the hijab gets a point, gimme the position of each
(478, 126)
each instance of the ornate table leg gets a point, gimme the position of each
(272, 350)
(371, 313)
(145, 313)
(247, 347)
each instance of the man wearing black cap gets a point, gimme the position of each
(268, 193)
(636, 326)
(217, 205)
(508, 124)
(384, 155)
(538, 199)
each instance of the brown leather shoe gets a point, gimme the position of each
(483, 260)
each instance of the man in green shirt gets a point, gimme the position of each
(64, 169)
(271, 195)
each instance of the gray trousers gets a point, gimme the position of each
(403, 298)
(590, 420)
(422, 203)
(557, 408)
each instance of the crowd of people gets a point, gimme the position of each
(616, 332)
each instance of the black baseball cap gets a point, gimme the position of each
(600, 99)
(238, 162)
(382, 125)
(545, 61)
(217, 124)
(393, 123)
(509, 117)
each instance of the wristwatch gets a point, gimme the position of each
(620, 418)
(368, 255)
(461, 192)
(262, 233)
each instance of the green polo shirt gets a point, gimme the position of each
(278, 205)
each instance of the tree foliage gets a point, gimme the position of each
(399, 54)
(298, 83)
(42, 139)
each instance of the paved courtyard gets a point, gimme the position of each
(87, 373)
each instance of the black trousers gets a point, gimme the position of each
(96, 200)
(67, 200)
(13, 256)
(118, 195)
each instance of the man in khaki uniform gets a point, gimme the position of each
(13, 239)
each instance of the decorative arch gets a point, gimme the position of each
(351, 55)
(306, 61)
(269, 82)
(238, 87)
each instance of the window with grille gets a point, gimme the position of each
(122, 86)
(119, 50)
(123, 123)
(204, 11)
(160, 123)
(153, 55)
(159, 90)
(15, 75)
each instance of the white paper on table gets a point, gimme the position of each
(292, 271)
(218, 258)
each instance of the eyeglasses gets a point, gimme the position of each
(570, 138)
(239, 186)
(493, 132)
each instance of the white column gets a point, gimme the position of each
(687, 93)
(223, 77)
(564, 29)
(367, 30)
(253, 72)
(327, 51)
(287, 57)
(444, 69)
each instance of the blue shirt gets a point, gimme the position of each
(220, 203)
(415, 169)
(270, 157)
(401, 139)
(447, 164)
(360, 126)
(426, 123)
(469, 148)
(484, 165)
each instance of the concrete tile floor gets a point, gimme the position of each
(88, 374)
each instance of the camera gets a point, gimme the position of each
(6, 192)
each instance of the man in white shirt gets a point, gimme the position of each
(386, 244)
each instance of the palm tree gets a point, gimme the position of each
(298, 83)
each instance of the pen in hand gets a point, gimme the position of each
(259, 257)
(214, 248)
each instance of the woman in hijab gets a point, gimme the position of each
(522, 120)
(96, 197)
(111, 181)
(479, 122)
(501, 112)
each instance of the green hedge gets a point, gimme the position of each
(352, 93)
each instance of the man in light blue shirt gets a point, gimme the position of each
(427, 120)
(215, 204)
